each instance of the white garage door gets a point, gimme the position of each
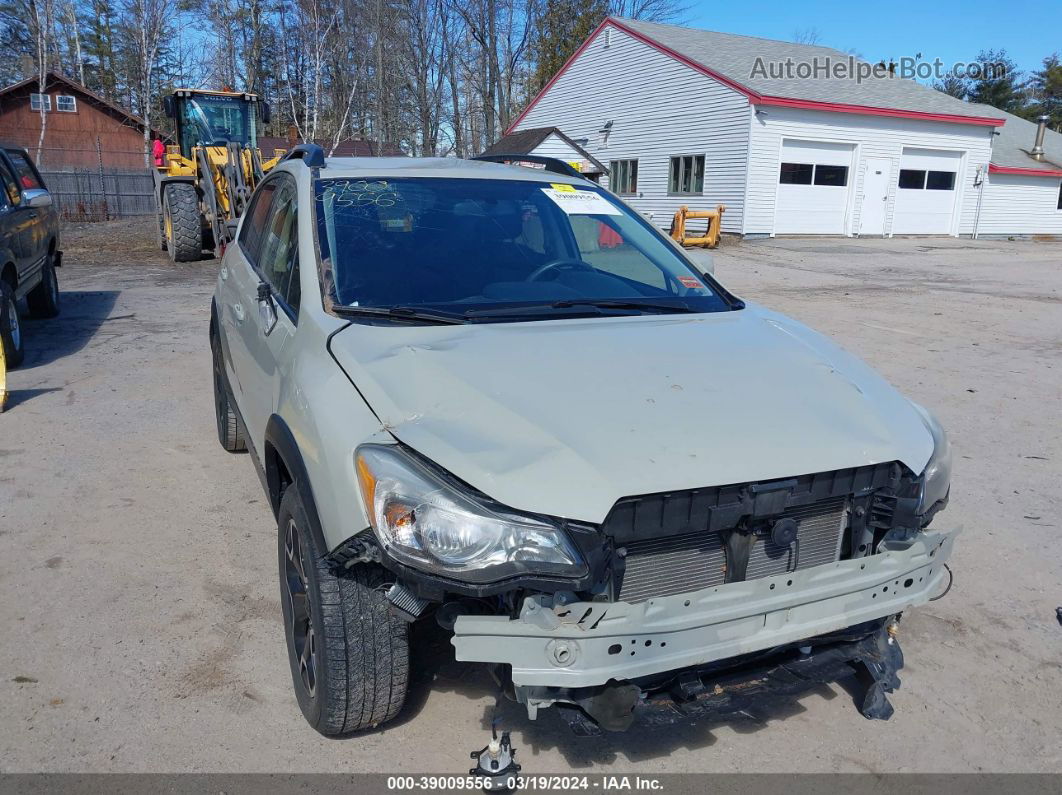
(925, 195)
(813, 188)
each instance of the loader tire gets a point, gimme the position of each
(184, 227)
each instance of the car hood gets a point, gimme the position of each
(564, 417)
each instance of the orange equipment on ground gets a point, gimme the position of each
(710, 239)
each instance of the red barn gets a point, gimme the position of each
(81, 130)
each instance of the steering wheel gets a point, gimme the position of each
(563, 262)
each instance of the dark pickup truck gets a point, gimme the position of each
(29, 249)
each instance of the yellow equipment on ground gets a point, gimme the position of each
(3, 379)
(208, 174)
(710, 238)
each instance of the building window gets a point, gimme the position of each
(917, 179)
(623, 176)
(686, 174)
(811, 174)
(39, 102)
(831, 175)
(66, 103)
(796, 173)
(940, 180)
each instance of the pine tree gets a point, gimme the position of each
(1046, 88)
(562, 26)
(998, 84)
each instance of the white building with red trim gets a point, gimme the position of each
(793, 139)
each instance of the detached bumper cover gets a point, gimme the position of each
(583, 644)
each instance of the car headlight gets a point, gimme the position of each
(936, 478)
(425, 521)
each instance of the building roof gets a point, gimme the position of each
(740, 62)
(523, 142)
(53, 78)
(1014, 141)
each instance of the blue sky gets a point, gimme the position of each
(950, 30)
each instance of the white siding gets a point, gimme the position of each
(658, 107)
(873, 136)
(557, 147)
(1020, 205)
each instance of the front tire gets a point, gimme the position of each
(43, 300)
(349, 655)
(181, 222)
(10, 327)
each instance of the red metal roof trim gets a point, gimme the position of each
(867, 110)
(753, 97)
(1025, 172)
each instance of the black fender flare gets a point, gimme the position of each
(282, 453)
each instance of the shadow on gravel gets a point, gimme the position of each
(436, 670)
(82, 314)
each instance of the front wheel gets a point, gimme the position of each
(349, 655)
(230, 427)
(182, 223)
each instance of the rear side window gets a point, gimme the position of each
(254, 223)
(24, 171)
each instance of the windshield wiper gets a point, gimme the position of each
(625, 303)
(398, 313)
(581, 306)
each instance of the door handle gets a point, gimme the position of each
(237, 310)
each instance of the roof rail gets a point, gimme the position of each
(310, 154)
(552, 164)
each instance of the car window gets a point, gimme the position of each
(14, 195)
(26, 174)
(254, 221)
(279, 252)
(465, 245)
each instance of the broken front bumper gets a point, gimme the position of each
(562, 644)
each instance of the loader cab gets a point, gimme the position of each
(215, 118)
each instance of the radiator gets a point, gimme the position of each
(682, 563)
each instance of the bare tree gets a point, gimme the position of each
(807, 36)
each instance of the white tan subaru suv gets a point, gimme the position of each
(496, 398)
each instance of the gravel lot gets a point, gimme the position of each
(141, 623)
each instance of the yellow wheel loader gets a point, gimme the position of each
(208, 174)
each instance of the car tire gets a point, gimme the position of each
(183, 226)
(349, 655)
(10, 327)
(230, 427)
(43, 300)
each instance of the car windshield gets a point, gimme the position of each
(483, 247)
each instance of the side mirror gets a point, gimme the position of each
(37, 197)
(167, 106)
(265, 112)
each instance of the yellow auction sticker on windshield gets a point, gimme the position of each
(562, 186)
(582, 202)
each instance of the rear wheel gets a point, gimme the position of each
(181, 222)
(349, 654)
(230, 429)
(43, 299)
(10, 327)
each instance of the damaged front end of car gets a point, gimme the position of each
(678, 604)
